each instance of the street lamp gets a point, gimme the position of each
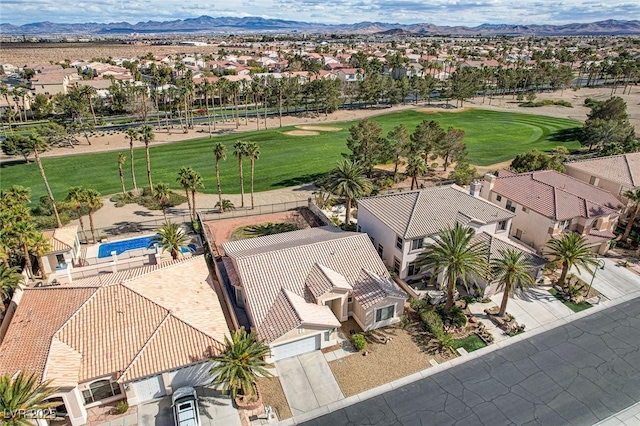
(600, 263)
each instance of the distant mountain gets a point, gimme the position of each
(208, 24)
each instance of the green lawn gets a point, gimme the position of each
(470, 343)
(575, 307)
(491, 137)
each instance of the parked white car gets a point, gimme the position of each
(185, 407)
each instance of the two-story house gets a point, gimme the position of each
(399, 225)
(547, 203)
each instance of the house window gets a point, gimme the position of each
(417, 243)
(399, 243)
(385, 313)
(327, 335)
(396, 265)
(502, 225)
(412, 269)
(593, 181)
(61, 263)
(525, 210)
(498, 197)
(380, 250)
(510, 206)
(372, 241)
(101, 390)
(519, 234)
(350, 299)
(564, 224)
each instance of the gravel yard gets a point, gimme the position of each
(273, 396)
(384, 362)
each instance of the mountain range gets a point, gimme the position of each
(208, 24)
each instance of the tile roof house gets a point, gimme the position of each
(64, 250)
(298, 286)
(400, 224)
(137, 339)
(616, 173)
(547, 203)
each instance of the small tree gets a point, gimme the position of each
(94, 202)
(162, 195)
(513, 272)
(348, 180)
(10, 280)
(171, 238)
(571, 250)
(76, 197)
(634, 198)
(121, 161)
(219, 151)
(225, 205)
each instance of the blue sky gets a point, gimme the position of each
(439, 12)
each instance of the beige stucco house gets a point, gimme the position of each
(547, 203)
(297, 287)
(134, 335)
(64, 251)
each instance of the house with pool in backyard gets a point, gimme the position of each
(298, 287)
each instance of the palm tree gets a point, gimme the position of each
(454, 254)
(10, 280)
(219, 150)
(121, 160)
(40, 246)
(634, 197)
(88, 92)
(242, 362)
(348, 180)
(76, 196)
(133, 135)
(415, 167)
(571, 250)
(16, 195)
(172, 238)
(512, 270)
(195, 183)
(240, 149)
(94, 202)
(38, 145)
(147, 136)
(162, 194)
(184, 177)
(253, 152)
(225, 204)
(21, 392)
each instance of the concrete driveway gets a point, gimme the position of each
(613, 281)
(535, 307)
(308, 382)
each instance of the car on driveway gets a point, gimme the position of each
(185, 407)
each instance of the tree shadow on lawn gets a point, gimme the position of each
(566, 135)
(298, 180)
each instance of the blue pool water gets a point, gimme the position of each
(104, 250)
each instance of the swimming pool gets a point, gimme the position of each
(104, 250)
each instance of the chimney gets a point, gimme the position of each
(490, 180)
(476, 186)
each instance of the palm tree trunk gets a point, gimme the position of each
(93, 228)
(253, 161)
(451, 290)
(241, 182)
(46, 184)
(93, 113)
(84, 233)
(505, 299)
(164, 212)
(146, 145)
(347, 219)
(206, 101)
(133, 170)
(563, 274)
(27, 259)
(213, 105)
(630, 222)
(193, 197)
(235, 99)
(43, 274)
(186, 191)
(219, 187)
(124, 190)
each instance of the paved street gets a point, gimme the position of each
(575, 374)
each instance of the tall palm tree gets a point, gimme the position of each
(172, 238)
(40, 246)
(121, 161)
(253, 152)
(184, 177)
(457, 256)
(195, 183)
(219, 150)
(205, 88)
(162, 194)
(513, 272)
(76, 196)
(348, 180)
(415, 167)
(10, 280)
(147, 136)
(133, 135)
(571, 250)
(23, 392)
(24, 231)
(242, 362)
(38, 145)
(94, 202)
(240, 150)
(88, 92)
(634, 197)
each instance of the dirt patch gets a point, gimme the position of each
(273, 396)
(319, 128)
(397, 358)
(301, 133)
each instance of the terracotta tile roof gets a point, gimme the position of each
(421, 213)
(62, 365)
(126, 275)
(322, 280)
(556, 195)
(40, 313)
(496, 244)
(61, 239)
(623, 169)
(371, 289)
(310, 313)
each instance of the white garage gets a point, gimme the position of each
(298, 347)
(158, 386)
(148, 389)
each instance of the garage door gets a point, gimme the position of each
(149, 389)
(298, 347)
(195, 375)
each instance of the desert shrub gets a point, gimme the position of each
(48, 222)
(433, 322)
(122, 406)
(418, 304)
(455, 315)
(468, 299)
(359, 342)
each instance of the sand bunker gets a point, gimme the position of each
(319, 128)
(301, 133)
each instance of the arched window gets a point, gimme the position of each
(101, 390)
(58, 405)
